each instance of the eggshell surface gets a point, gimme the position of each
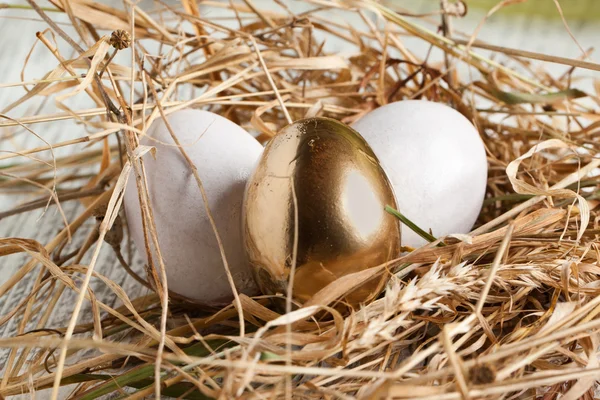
(225, 155)
(315, 207)
(435, 161)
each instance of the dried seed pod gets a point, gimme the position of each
(120, 39)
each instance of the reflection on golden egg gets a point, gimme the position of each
(322, 174)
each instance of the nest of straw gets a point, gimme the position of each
(509, 311)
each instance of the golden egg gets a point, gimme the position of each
(322, 174)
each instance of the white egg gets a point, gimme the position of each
(225, 155)
(436, 162)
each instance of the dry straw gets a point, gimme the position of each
(510, 311)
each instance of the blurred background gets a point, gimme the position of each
(534, 25)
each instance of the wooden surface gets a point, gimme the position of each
(16, 39)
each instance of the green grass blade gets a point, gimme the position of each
(532, 98)
(425, 235)
(136, 374)
(146, 372)
(177, 391)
